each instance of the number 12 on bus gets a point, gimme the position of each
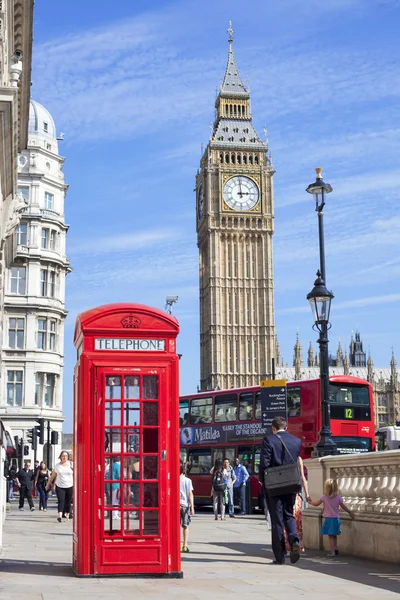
(227, 424)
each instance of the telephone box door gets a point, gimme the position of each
(131, 471)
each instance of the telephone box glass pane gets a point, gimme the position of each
(132, 389)
(112, 522)
(150, 441)
(113, 413)
(112, 440)
(132, 468)
(132, 495)
(150, 413)
(150, 387)
(132, 523)
(132, 413)
(115, 475)
(150, 495)
(150, 467)
(113, 388)
(132, 440)
(150, 522)
(107, 494)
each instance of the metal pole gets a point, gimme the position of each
(321, 237)
(325, 444)
(48, 445)
(273, 368)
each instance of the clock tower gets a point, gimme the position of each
(234, 221)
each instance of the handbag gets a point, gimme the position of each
(284, 479)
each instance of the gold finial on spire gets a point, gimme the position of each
(230, 32)
(318, 171)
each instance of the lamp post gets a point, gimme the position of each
(320, 300)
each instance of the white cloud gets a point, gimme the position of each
(123, 242)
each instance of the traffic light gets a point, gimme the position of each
(26, 450)
(54, 438)
(32, 438)
(40, 430)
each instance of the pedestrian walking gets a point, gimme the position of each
(281, 448)
(62, 475)
(230, 478)
(186, 505)
(42, 478)
(332, 501)
(239, 486)
(11, 483)
(218, 489)
(24, 479)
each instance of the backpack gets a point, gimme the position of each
(218, 482)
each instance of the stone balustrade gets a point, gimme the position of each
(370, 486)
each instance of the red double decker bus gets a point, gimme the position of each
(227, 423)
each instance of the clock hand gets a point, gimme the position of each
(240, 188)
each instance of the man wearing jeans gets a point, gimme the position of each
(230, 478)
(239, 486)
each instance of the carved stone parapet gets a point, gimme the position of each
(370, 486)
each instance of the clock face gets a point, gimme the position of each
(200, 202)
(241, 193)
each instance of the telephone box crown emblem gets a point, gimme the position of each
(131, 322)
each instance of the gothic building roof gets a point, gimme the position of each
(232, 84)
(234, 130)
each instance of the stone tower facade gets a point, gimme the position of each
(235, 210)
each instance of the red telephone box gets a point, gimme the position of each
(126, 442)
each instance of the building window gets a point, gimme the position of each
(48, 281)
(48, 146)
(23, 192)
(49, 201)
(46, 334)
(53, 237)
(46, 127)
(18, 280)
(22, 234)
(44, 389)
(14, 388)
(45, 237)
(16, 333)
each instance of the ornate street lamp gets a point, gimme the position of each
(320, 300)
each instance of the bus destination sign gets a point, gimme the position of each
(273, 402)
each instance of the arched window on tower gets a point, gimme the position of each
(227, 158)
(245, 159)
(250, 159)
(221, 158)
(230, 109)
(226, 110)
(256, 159)
(233, 159)
(239, 159)
(234, 109)
(235, 257)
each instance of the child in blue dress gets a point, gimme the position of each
(332, 501)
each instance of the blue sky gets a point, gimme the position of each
(132, 85)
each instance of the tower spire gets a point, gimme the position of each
(232, 83)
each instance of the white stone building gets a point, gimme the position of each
(34, 300)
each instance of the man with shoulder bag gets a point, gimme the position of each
(280, 477)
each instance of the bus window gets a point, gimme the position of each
(199, 461)
(183, 454)
(351, 394)
(293, 401)
(200, 411)
(223, 453)
(257, 414)
(245, 456)
(257, 457)
(246, 407)
(184, 412)
(225, 408)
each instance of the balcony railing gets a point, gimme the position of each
(50, 214)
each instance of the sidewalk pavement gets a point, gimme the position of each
(226, 558)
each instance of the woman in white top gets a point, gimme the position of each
(63, 475)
